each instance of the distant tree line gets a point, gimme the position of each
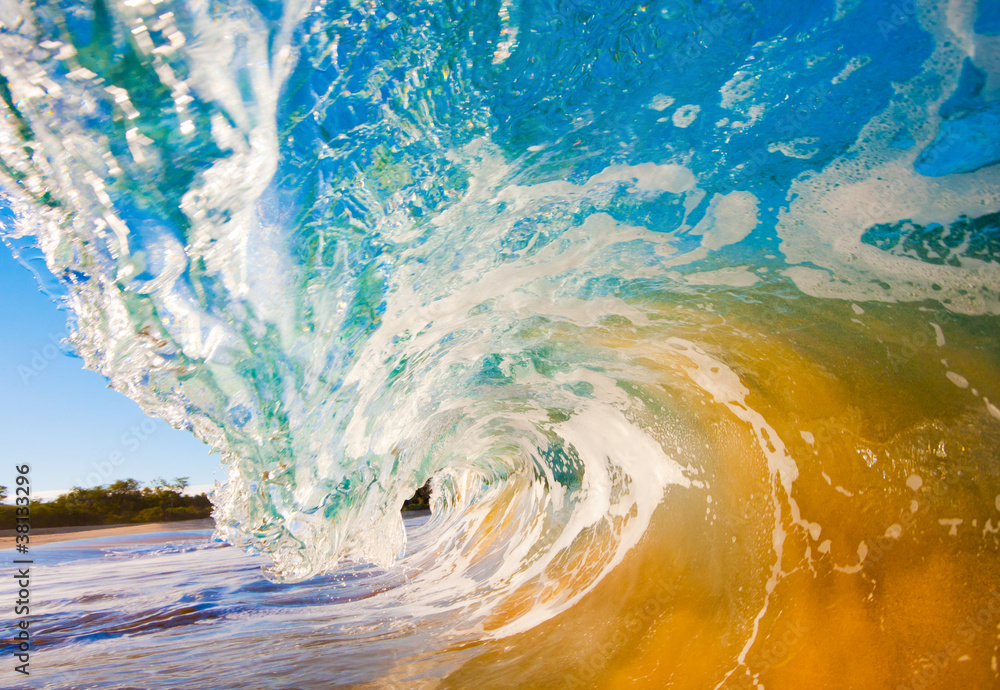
(121, 502)
(127, 501)
(421, 500)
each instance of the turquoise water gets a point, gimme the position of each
(708, 284)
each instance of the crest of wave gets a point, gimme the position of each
(342, 315)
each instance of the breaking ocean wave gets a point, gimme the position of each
(685, 303)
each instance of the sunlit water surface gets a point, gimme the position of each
(688, 312)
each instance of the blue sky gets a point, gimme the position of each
(62, 419)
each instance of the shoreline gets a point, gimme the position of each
(50, 535)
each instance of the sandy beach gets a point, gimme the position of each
(49, 535)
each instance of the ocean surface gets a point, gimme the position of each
(179, 609)
(689, 312)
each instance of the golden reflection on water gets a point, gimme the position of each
(896, 584)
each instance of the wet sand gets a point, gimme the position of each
(49, 535)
